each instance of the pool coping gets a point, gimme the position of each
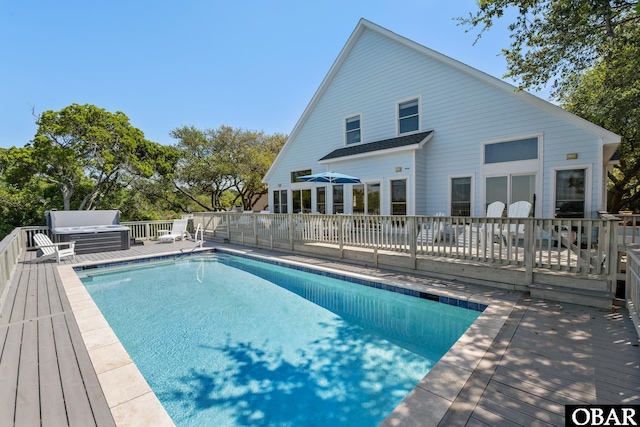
(132, 402)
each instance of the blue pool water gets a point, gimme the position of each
(229, 341)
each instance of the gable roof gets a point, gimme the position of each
(605, 136)
(412, 142)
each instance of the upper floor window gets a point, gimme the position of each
(408, 116)
(511, 151)
(296, 174)
(352, 130)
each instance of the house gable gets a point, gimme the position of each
(605, 137)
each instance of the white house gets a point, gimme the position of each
(427, 134)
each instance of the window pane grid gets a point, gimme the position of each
(461, 196)
(399, 197)
(352, 126)
(408, 116)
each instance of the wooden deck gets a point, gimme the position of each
(544, 356)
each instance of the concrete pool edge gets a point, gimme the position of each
(426, 404)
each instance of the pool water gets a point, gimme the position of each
(229, 341)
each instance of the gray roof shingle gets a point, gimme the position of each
(385, 144)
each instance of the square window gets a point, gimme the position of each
(295, 175)
(408, 116)
(352, 130)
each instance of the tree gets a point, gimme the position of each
(84, 143)
(554, 40)
(609, 95)
(22, 192)
(217, 162)
(589, 51)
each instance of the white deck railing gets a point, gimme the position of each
(578, 246)
(145, 230)
(632, 285)
(11, 248)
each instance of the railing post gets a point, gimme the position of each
(340, 234)
(412, 235)
(612, 256)
(529, 253)
(291, 231)
(255, 227)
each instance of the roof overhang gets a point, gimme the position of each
(378, 148)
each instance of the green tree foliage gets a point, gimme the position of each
(23, 194)
(86, 147)
(553, 40)
(589, 51)
(224, 161)
(609, 95)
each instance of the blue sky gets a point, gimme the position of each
(251, 64)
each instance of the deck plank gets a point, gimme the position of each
(52, 407)
(16, 300)
(31, 301)
(28, 392)
(75, 396)
(9, 364)
(44, 299)
(531, 410)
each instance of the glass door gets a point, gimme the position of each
(509, 189)
(570, 194)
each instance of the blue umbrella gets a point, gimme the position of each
(330, 177)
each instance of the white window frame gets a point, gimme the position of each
(517, 167)
(389, 191)
(450, 189)
(588, 190)
(366, 185)
(412, 98)
(344, 124)
(298, 170)
(273, 201)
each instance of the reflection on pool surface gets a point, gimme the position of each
(224, 340)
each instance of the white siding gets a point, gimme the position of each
(463, 111)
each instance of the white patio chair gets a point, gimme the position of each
(521, 209)
(178, 231)
(433, 231)
(53, 250)
(485, 231)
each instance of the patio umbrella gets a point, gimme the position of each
(331, 178)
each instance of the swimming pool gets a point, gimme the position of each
(224, 340)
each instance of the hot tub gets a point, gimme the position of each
(93, 231)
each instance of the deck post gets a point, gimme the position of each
(255, 227)
(529, 253)
(291, 231)
(340, 234)
(412, 235)
(612, 256)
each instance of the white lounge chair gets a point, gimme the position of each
(178, 231)
(433, 231)
(521, 209)
(486, 231)
(53, 250)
